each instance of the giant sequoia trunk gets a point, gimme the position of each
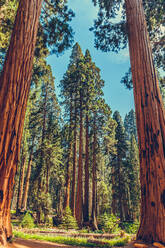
(79, 198)
(86, 200)
(27, 181)
(14, 88)
(21, 183)
(94, 178)
(68, 172)
(150, 125)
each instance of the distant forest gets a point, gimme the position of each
(85, 158)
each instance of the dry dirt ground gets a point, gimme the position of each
(21, 243)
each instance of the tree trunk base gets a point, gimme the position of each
(3, 239)
(93, 224)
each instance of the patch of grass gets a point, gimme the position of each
(73, 241)
(13, 211)
(84, 230)
(15, 222)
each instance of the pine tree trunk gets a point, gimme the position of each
(27, 181)
(68, 173)
(94, 178)
(120, 194)
(86, 200)
(73, 196)
(150, 125)
(79, 198)
(126, 205)
(67, 185)
(21, 183)
(14, 88)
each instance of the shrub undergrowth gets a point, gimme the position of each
(108, 223)
(73, 241)
(68, 221)
(130, 227)
(27, 221)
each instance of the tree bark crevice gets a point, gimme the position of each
(150, 124)
(14, 89)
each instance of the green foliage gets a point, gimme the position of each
(54, 30)
(118, 175)
(13, 211)
(111, 34)
(162, 87)
(130, 125)
(109, 223)
(84, 230)
(45, 144)
(27, 221)
(74, 241)
(43, 203)
(103, 196)
(68, 221)
(130, 227)
(133, 171)
(8, 12)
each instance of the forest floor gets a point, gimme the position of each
(21, 243)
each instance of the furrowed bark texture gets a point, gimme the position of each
(150, 125)
(94, 178)
(68, 172)
(21, 183)
(27, 181)
(14, 88)
(86, 200)
(79, 198)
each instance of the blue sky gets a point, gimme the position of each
(113, 66)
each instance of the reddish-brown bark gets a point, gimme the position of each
(86, 198)
(27, 181)
(21, 183)
(150, 124)
(79, 197)
(68, 172)
(94, 178)
(14, 88)
(67, 186)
